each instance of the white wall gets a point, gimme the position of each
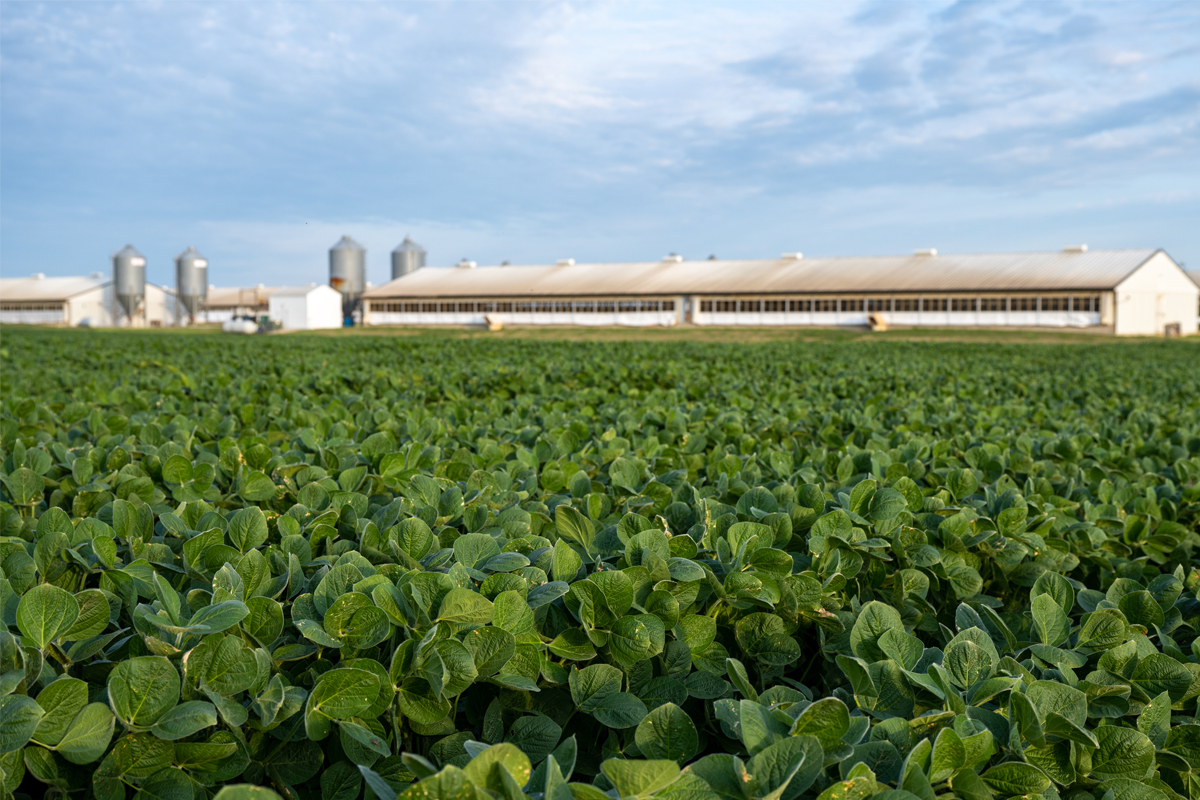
(1158, 294)
(320, 308)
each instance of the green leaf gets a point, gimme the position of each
(668, 733)
(257, 487)
(1013, 778)
(575, 527)
(1123, 753)
(185, 720)
(141, 690)
(504, 756)
(873, 620)
(218, 617)
(19, 718)
(464, 607)
(1103, 629)
(88, 735)
(949, 756)
(639, 778)
(45, 613)
(344, 693)
(61, 701)
(573, 645)
(590, 685)
(1052, 624)
(629, 640)
(248, 527)
(1158, 673)
(341, 781)
(620, 710)
(536, 735)
(1154, 721)
(827, 719)
(246, 791)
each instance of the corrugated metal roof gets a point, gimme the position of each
(233, 297)
(128, 250)
(983, 272)
(46, 290)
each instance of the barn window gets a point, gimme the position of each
(800, 306)
(852, 304)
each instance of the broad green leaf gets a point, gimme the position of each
(141, 690)
(667, 733)
(45, 613)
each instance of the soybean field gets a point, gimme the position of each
(347, 567)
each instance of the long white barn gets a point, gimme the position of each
(41, 300)
(1130, 292)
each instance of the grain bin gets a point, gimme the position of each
(129, 281)
(191, 281)
(348, 273)
(407, 257)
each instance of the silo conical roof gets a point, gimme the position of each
(408, 246)
(346, 243)
(128, 251)
(191, 252)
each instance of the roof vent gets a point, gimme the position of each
(39, 276)
(712, 258)
(566, 262)
(97, 276)
(466, 264)
(673, 259)
(929, 251)
(1075, 248)
(792, 256)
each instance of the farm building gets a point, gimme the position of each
(39, 300)
(222, 304)
(309, 307)
(1129, 292)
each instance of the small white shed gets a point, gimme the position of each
(306, 307)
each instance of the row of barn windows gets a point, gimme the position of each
(31, 306)
(1082, 303)
(527, 307)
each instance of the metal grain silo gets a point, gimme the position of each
(348, 273)
(129, 281)
(191, 281)
(407, 257)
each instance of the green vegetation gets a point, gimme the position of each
(480, 569)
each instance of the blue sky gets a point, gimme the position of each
(531, 131)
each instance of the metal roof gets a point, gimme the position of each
(127, 250)
(32, 289)
(408, 246)
(346, 243)
(233, 297)
(301, 291)
(1097, 270)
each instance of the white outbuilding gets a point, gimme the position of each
(311, 307)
